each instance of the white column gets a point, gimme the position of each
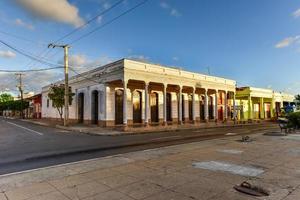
(146, 103)
(250, 108)
(216, 105)
(165, 103)
(180, 105)
(206, 106)
(226, 106)
(125, 102)
(194, 113)
(234, 108)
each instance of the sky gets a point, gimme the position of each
(256, 43)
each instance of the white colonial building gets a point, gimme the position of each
(128, 92)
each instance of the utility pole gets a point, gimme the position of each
(66, 72)
(20, 87)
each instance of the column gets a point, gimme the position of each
(216, 105)
(193, 108)
(273, 111)
(165, 103)
(180, 105)
(262, 108)
(249, 108)
(206, 106)
(146, 103)
(226, 106)
(234, 108)
(125, 102)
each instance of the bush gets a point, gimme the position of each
(294, 119)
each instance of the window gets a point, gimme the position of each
(47, 103)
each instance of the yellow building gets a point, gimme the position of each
(258, 103)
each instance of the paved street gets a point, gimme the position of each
(205, 170)
(26, 146)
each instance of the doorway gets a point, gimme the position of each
(119, 107)
(137, 106)
(154, 106)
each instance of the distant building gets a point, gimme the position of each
(258, 103)
(129, 92)
(34, 110)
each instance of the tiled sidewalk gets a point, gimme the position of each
(167, 173)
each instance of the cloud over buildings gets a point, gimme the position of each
(172, 10)
(7, 54)
(56, 10)
(21, 23)
(287, 42)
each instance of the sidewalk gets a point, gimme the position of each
(114, 131)
(201, 170)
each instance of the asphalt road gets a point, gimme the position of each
(26, 146)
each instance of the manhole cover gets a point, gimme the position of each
(253, 190)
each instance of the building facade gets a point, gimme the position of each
(129, 92)
(258, 103)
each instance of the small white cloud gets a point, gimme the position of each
(21, 23)
(56, 10)
(7, 54)
(287, 42)
(172, 11)
(139, 57)
(99, 19)
(296, 14)
(175, 58)
(106, 5)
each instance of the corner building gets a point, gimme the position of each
(129, 92)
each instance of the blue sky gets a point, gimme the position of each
(255, 42)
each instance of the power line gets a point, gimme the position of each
(30, 70)
(87, 78)
(109, 22)
(28, 55)
(80, 27)
(21, 38)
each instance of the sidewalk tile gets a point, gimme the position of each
(2, 196)
(50, 196)
(140, 190)
(69, 181)
(101, 173)
(84, 190)
(110, 195)
(29, 191)
(117, 181)
(168, 195)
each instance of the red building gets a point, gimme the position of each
(35, 107)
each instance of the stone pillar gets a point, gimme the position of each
(234, 108)
(180, 105)
(165, 104)
(206, 106)
(272, 109)
(249, 108)
(262, 108)
(193, 108)
(226, 106)
(125, 102)
(146, 103)
(216, 105)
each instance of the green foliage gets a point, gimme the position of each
(6, 97)
(57, 95)
(13, 105)
(294, 119)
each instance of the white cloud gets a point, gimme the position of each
(56, 10)
(296, 14)
(139, 57)
(7, 54)
(99, 19)
(175, 58)
(287, 42)
(106, 5)
(21, 23)
(172, 11)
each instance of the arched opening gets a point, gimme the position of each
(183, 108)
(95, 107)
(169, 107)
(81, 107)
(202, 99)
(119, 107)
(210, 107)
(190, 98)
(154, 106)
(137, 106)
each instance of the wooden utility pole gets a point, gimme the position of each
(66, 72)
(20, 87)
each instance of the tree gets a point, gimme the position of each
(6, 97)
(297, 98)
(57, 95)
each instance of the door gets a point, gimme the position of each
(268, 110)
(154, 106)
(256, 111)
(183, 108)
(137, 108)
(202, 99)
(80, 107)
(95, 107)
(210, 107)
(190, 98)
(169, 107)
(119, 107)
